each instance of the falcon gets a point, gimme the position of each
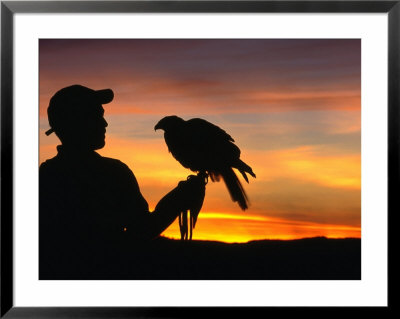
(208, 150)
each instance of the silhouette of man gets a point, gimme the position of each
(91, 207)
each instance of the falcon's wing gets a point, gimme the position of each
(207, 131)
(211, 147)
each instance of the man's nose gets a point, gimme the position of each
(105, 122)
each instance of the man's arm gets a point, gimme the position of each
(178, 200)
(145, 225)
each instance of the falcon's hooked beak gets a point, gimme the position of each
(157, 127)
(161, 124)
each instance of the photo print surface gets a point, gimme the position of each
(200, 159)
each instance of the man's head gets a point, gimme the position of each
(75, 114)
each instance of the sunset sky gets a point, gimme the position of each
(292, 106)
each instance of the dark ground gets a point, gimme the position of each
(305, 259)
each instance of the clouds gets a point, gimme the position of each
(215, 75)
(244, 228)
(337, 130)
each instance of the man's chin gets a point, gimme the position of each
(99, 145)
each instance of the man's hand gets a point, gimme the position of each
(193, 191)
(187, 196)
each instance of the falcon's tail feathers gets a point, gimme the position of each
(235, 188)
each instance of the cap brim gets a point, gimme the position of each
(105, 96)
(48, 132)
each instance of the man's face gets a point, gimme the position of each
(86, 128)
(94, 126)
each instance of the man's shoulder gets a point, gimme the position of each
(113, 163)
(101, 162)
(49, 164)
(112, 169)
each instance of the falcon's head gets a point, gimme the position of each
(169, 122)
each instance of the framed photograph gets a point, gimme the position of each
(165, 158)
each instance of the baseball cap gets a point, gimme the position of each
(72, 99)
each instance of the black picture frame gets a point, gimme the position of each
(9, 8)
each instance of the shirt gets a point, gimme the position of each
(88, 205)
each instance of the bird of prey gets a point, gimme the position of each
(208, 150)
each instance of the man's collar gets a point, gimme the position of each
(76, 153)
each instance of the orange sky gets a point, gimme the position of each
(292, 106)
